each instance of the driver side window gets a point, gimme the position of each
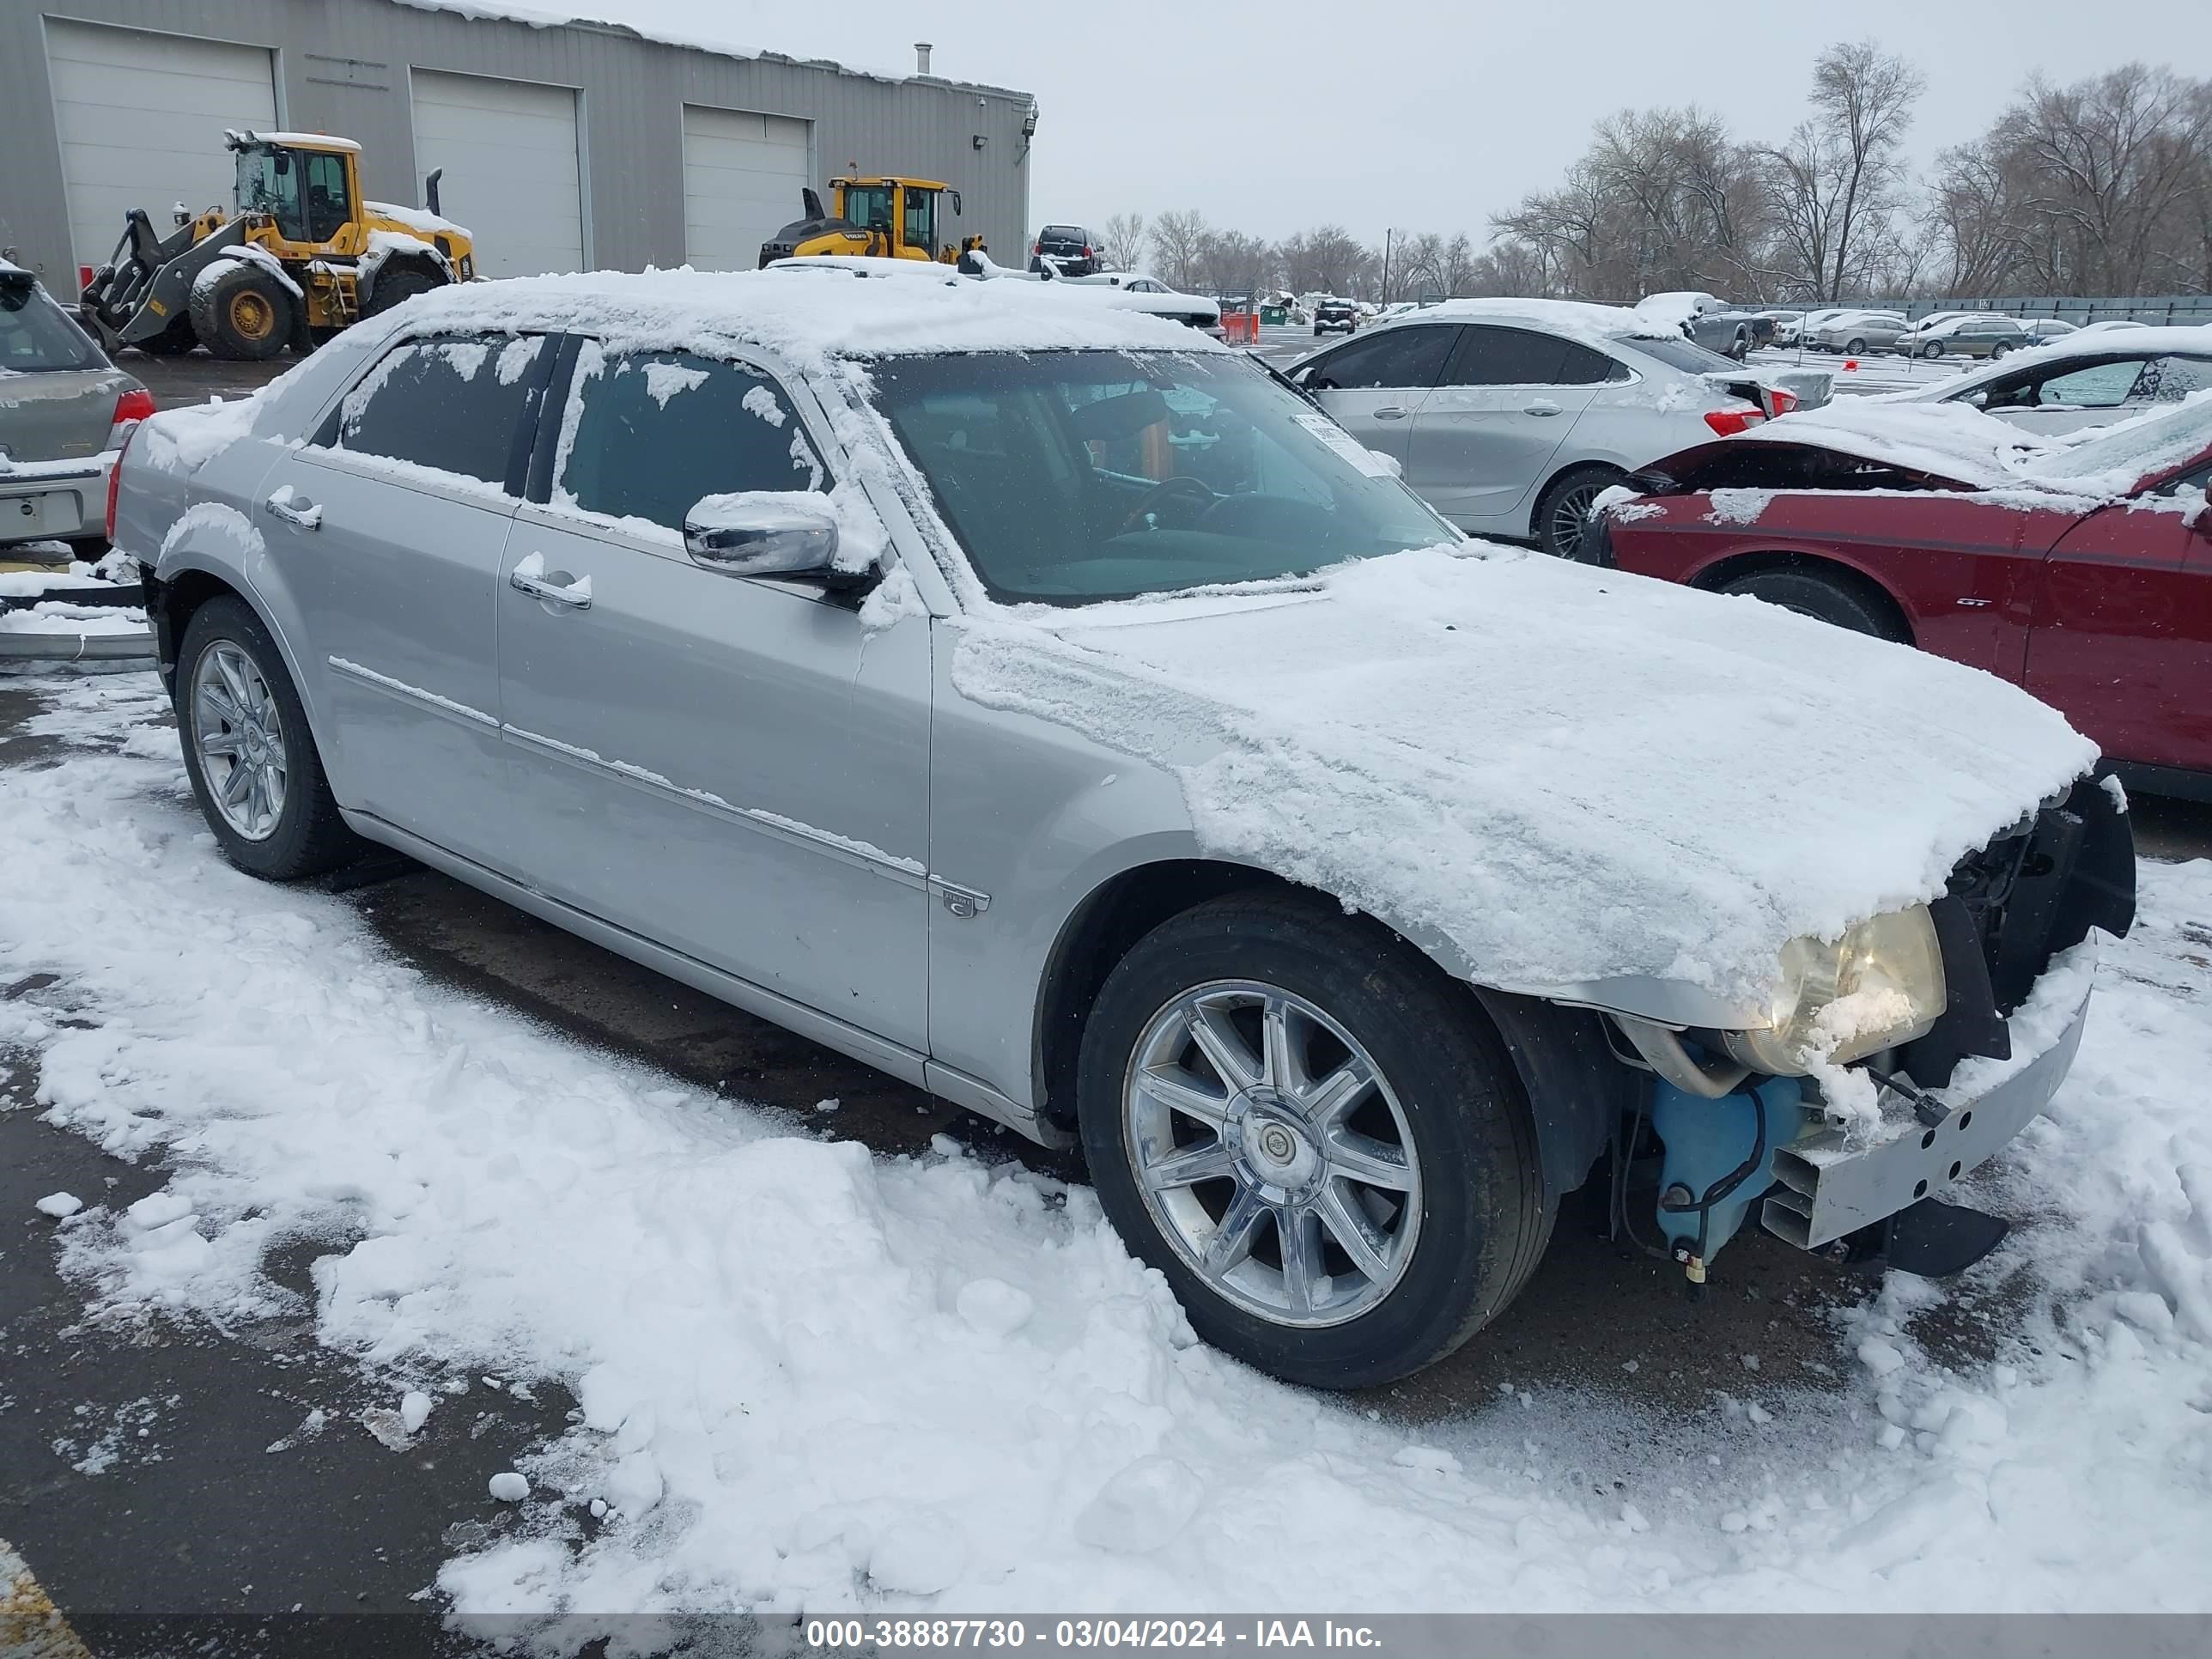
(649, 434)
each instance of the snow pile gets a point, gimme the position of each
(1566, 774)
(810, 1377)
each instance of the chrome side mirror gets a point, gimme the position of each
(761, 532)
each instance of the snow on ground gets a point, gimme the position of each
(813, 1377)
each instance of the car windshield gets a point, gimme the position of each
(2127, 453)
(1685, 354)
(36, 334)
(1071, 477)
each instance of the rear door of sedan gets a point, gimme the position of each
(734, 767)
(384, 532)
(1485, 437)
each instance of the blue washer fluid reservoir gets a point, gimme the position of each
(1708, 1143)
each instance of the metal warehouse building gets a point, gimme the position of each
(563, 146)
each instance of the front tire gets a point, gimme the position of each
(1562, 519)
(1854, 348)
(253, 762)
(1834, 599)
(1314, 1136)
(244, 315)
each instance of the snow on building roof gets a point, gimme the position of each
(499, 11)
(808, 313)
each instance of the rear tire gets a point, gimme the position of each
(2002, 349)
(1562, 518)
(1854, 348)
(244, 315)
(306, 835)
(1834, 599)
(1443, 1113)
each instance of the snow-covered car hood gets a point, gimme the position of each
(1559, 778)
(1952, 442)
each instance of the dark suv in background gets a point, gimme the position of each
(1073, 250)
(1336, 316)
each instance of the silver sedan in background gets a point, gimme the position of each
(1509, 416)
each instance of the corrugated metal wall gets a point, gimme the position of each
(342, 67)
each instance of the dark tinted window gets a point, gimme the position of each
(35, 333)
(659, 430)
(456, 404)
(1506, 356)
(1685, 355)
(1581, 365)
(1396, 357)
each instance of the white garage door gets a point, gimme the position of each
(742, 176)
(141, 119)
(509, 151)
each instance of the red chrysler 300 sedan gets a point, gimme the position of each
(2081, 572)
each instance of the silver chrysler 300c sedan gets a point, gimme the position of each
(1058, 712)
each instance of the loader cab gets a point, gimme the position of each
(309, 190)
(902, 211)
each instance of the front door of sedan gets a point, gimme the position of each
(735, 768)
(1484, 440)
(2121, 643)
(384, 535)
(1373, 386)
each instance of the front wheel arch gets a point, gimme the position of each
(1575, 1088)
(1896, 621)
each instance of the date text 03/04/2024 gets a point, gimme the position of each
(864, 1634)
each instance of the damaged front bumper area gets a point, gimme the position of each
(1827, 1188)
(2017, 930)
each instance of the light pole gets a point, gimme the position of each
(1386, 265)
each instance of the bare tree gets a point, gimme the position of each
(1329, 260)
(1178, 239)
(1232, 262)
(1836, 183)
(1125, 242)
(2117, 174)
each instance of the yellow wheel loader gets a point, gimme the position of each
(884, 218)
(298, 257)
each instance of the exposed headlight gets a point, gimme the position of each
(1839, 1000)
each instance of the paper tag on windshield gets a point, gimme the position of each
(1374, 465)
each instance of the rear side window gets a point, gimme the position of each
(649, 434)
(1408, 358)
(459, 406)
(1506, 356)
(36, 334)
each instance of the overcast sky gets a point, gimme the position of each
(1422, 115)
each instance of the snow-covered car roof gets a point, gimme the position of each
(809, 311)
(1579, 318)
(2088, 344)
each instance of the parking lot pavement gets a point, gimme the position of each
(196, 377)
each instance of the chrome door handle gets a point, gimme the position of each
(1542, 406)
(1393, 413)
(296, 510)
(528, 577)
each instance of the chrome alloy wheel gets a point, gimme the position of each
(240, 737)
(1272, 1153)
